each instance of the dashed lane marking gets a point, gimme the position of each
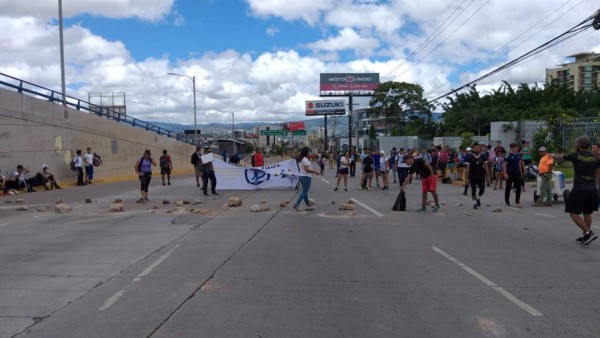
(3, 224)
(545, 215)
(155, 264)
(324, 180)
(528, 308)
(375, 212)
(114, 298)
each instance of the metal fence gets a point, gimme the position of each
(42, 93)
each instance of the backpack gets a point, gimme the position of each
(194, 159)
(164, 162)
(96, 161)
(73, 165)
(400, 204)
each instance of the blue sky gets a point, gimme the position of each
(262, 58)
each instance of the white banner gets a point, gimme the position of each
(279, 175)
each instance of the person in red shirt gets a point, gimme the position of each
(257, 159)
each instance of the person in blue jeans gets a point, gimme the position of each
(305, 178)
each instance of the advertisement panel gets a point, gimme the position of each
(281, 175)
(295, 126)
(325, 107)
(343, 84)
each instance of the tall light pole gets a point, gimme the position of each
(62, 54)
(193, 78)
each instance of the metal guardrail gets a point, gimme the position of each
(42, 93)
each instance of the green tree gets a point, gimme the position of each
(249, 148)
(372, 132)
(402, 105)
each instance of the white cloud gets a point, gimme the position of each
(306, 10)
(273, 85)
(272, 31)
(347, 39)
(142, 9)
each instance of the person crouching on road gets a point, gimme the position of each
(428, 180)
(143, 167)
(305, 178)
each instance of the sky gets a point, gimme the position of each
(262, 58)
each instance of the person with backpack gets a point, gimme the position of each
(143, 167)
(166, 166)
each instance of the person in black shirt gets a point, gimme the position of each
(368, 166)
(584, 197)
(428, 180)
(477, 174)
(513, 171)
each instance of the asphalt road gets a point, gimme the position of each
(227, 272)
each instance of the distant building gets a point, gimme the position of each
(579, 75)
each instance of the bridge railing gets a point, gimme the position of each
(43, 93)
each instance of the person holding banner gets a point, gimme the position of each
(208, 172)
(304, 166)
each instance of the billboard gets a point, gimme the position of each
(344, 84)
(325, 107)
(292, 126)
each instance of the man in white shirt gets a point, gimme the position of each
(88, 161)
(19, 178)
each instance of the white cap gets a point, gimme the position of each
(382, 152)
(469, 149)
(44, 166)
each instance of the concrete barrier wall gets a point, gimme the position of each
(34, 131)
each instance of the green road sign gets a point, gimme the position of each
(299, 133)
(274, 132)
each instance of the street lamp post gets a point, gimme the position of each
(62, 54)
(193, 78)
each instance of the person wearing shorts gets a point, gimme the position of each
(166, 166)
(583, 199)
(343, 171)
(428, 180)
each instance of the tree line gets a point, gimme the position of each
(407, 112)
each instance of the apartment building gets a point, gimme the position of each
(579, 75)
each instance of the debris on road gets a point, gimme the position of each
(259, 208)
(88, 200)
(62, 208)
(346, 207)
(234, 201)
(22, 207)
(117, 207)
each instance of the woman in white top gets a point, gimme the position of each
(384, 169)
(305, 178)
(343, 172)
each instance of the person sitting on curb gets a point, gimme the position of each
(20, 180)
(49, 177)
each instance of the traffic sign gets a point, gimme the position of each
(299, 133)
(274, 132)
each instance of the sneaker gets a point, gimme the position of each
(336, 189)
(465, 193)
(310, 208)
(346, 189)
(589, 238)
(422, 209)
(579, 239)
(215, 193)
(475, 206)
(197, 184)
(435, 208)
(360, 188)
(169, 183)
(478, 203)
(369, 189)
(164, 183)
(296, 207)
(205, 194)
(508, 204)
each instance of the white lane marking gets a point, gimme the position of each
(324, 180)
(112, 300)
(491, 284)
(155, 264)
(545, 215)
(375, 212)
(3, 224)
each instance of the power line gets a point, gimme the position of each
(431, 36)
(442, 42)
(577, 29)
(497, 58)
